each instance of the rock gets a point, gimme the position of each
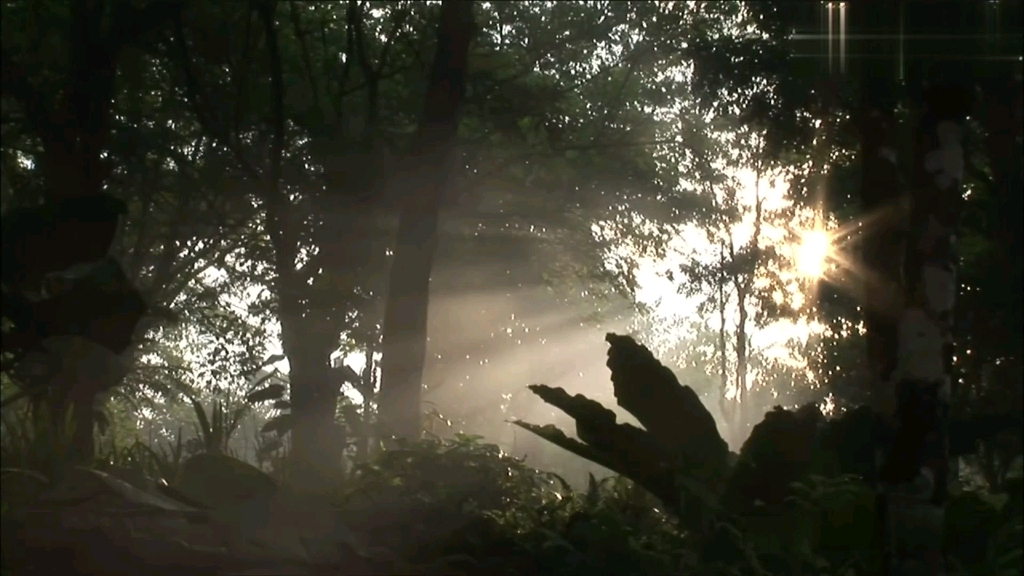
(102, 525)
(19, 488)
(259, 523)
(297, 527)
(80, 485)
(220, 481)
(105, 525)
(89, 500)
(133, 476)
(777, 453)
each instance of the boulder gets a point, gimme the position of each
(220, 481)
(20, 488)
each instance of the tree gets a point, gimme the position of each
(184, 217)
(78, 221)
(541, 164)
(746, 281)
(430, 165)
(884, 180)
(312, 245)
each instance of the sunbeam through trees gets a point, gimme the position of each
(467, 287)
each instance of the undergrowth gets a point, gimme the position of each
(512, 519)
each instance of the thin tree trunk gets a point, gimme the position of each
(367, 389)
(741, 369)
(405, 317)
(744, 281)
(733, 406)
(722, 348)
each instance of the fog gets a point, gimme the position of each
(487, 344)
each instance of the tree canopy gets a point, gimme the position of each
(314, 227)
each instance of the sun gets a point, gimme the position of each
(812, 253)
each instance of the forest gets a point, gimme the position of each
(516, 287)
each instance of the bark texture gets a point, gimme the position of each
(425, 180)
(915, 474)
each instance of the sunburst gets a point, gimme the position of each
(813, 253)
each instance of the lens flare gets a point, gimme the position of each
(812, 253)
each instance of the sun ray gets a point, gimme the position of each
(831, 256)
(812, 254)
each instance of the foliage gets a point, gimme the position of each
(37, 444)
(490, 511)
(458, 471)
(216, 428)
(797, 493)
(533, 521)
(577, 114)
(161, 460)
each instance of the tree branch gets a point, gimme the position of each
(277, 85)
(131, 23)
(243, 80)
(307, 62)
(196, 98)
(350, 54)
(15, 84)
(369, 73)
(396, 24)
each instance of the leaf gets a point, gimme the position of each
(593, 497)
(352, 419)
(263, 379)
(562, 483)
(552, 434)
(235, 422)
(270, 392)
(218, 426)
(273, 359)
(204, 422)
(348, 375)
(282, 405)
(268, 361)
(271, 445)
(164, 313)
(101, 420)
(280, 424)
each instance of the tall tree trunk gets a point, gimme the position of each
(882, 208)
(882, 203)
(1004, 99)
(1002, 143)
(315, 448)
(405, 317)
(910, 269)
(307, 335)
(86, 110)
(915, 473)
